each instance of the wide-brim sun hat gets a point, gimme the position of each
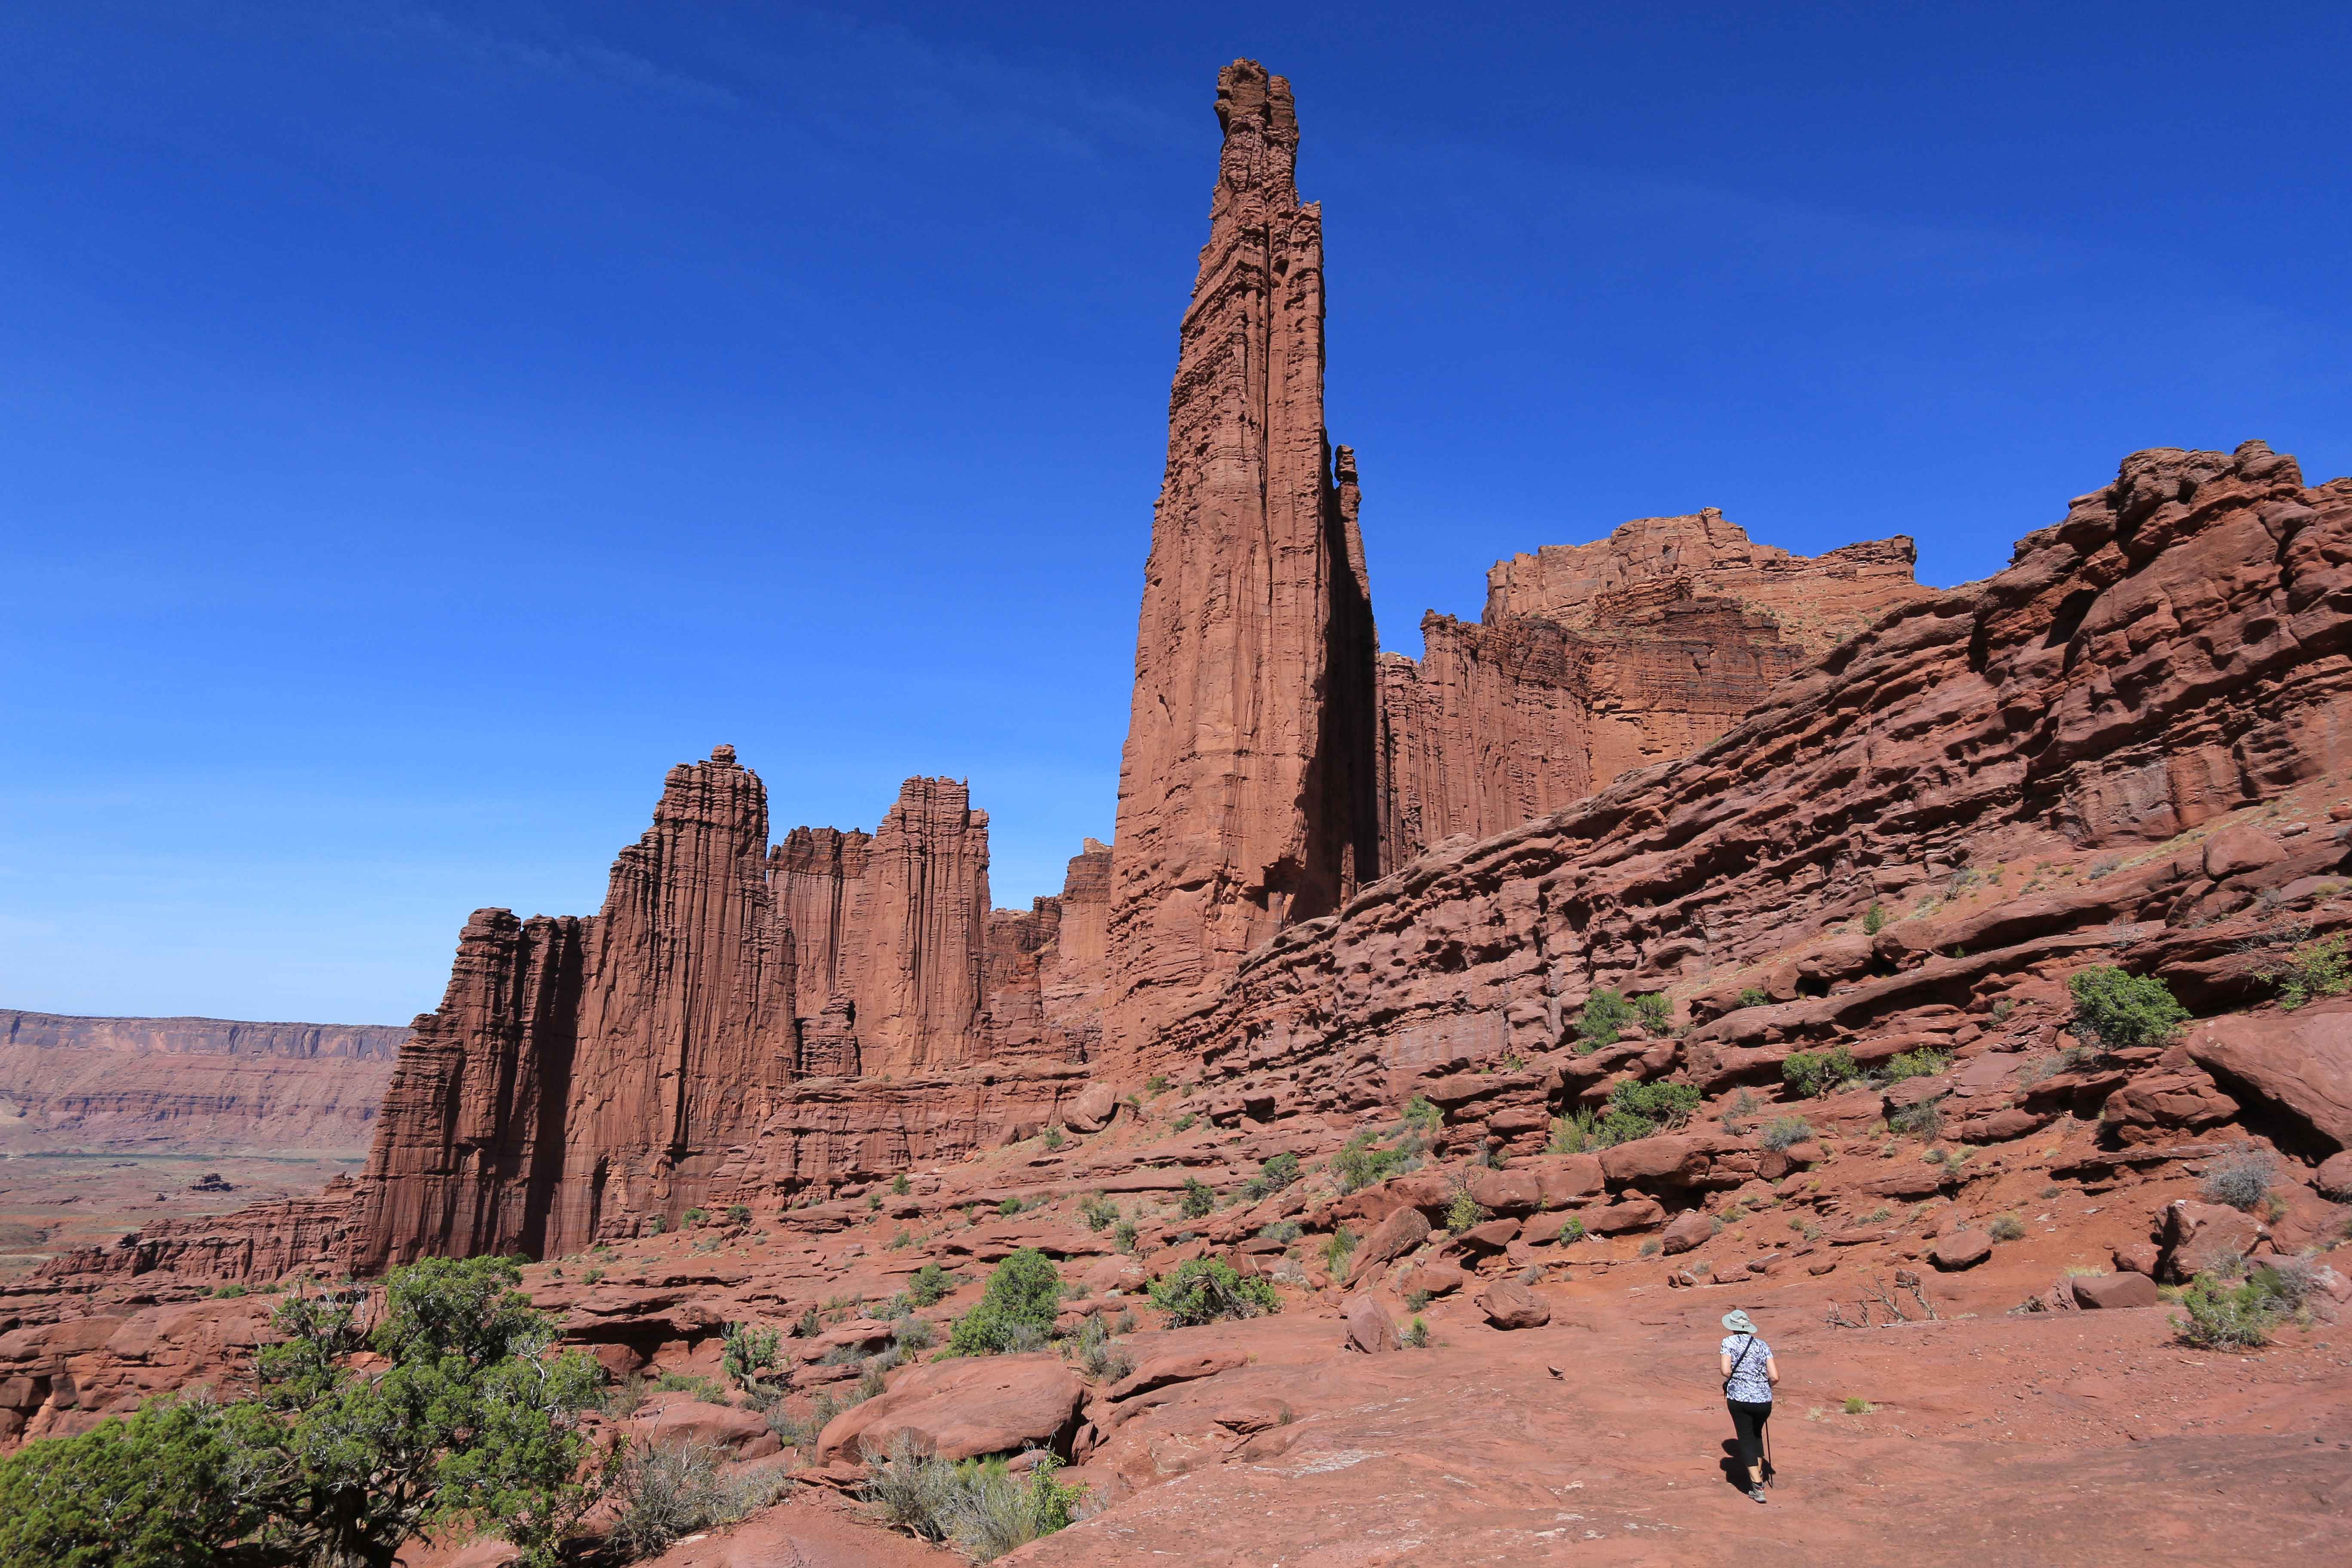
(1737, 1322)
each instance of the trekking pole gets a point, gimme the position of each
(1771, 1476)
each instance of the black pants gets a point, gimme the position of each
(1747, 1425)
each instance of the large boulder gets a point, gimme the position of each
(2103, 1291)
(1628, 1214)
(1370, 1326)
(2199, 1236)
(671, 1418)
(1391, 1239)
(1177, 1366)
(963, 1408)
(2334, 1178)
(1511, 1305)
(1568, 1177)
(1961, 1250)
(2298, 1064)
(2236, 849)
(1689, 1229)
(1434, 1279)
(1091, 1111)
(1504, 1192)
(1487, 1236)
(2156, 1105)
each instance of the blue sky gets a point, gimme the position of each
(423, 424)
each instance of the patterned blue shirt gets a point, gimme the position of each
(1748, 1385)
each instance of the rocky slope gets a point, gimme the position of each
(190, 1085)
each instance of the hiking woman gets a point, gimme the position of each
(1748, 1374)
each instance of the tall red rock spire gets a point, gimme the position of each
(1246, 790)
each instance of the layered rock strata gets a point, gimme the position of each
(1594, 659)
(1246, 787)
(190, 1085)
(2173, 649)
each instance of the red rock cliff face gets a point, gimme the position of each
(815, 876)
(1046, 969)
(1246, 785)
(1593, 660)
(916, 945)
(471, 1141)
(2179, 646)
(583, 1076)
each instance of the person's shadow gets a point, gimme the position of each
(1735, 1474)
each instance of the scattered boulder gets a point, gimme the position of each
(1176, 1366)
(1394, 1236)
(1092, 1110)
(1690, 1228)
(679, 1418)
(1570, 1177)
(2236, 849)
(2137, 1258)
(2334, 1178)
(1370, 1326)
(1628, 1214)
(1511, 1305)
(964, 1408)
(1487, 1236)
(2298, 1064)
(2199, 1236)
(1504, 1192)
(1435, 1279)
(1961, 1250)
(2100, 1293)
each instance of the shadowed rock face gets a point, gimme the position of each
(1246, 786)
(1594, 659)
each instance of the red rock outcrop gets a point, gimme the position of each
(816, 876)
(190, 1085)
(1247, 788)
(582, 1075)
(916, 945)
(2179, 645)
(1594, 659)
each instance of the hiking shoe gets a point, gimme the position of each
(1755, 1492)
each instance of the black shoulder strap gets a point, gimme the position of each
(1744, 1353)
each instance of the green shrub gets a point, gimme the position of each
(233, 1288)
(1008, 1208)
(1421, 1114)
(1053, 1138)
(1207, 1290)
(1098, 1210)
(1358, 1163)
(2241, 1178)
(872, 1202)
(1924, 1062)
(675, 1490)
(1873, 920)
(1786, 1132)
(930, 1285)
(739, 1214)
(2120, 1010)
(1606, 1014)
(1660, 1104)
(1283, 1230)
(1125, 1234)
(1183, 1122)
(1416, 1335)
(1017, 1310)
(2007, 1227)
(1463, 1213)
(1855, 1404)
(2224, 1316)
(463, 1421)
(749, 1351)
(1335, 1249)
(2314, 969)
(1814, 1073)
(900, 1186)
(1199, 1199)
(1656, 1012)
(1751, 996)
(1925, 1120)
(655, 1225)
(693, 1218)
(980, 1505)
(1278, 1172)
(1572, 1231)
